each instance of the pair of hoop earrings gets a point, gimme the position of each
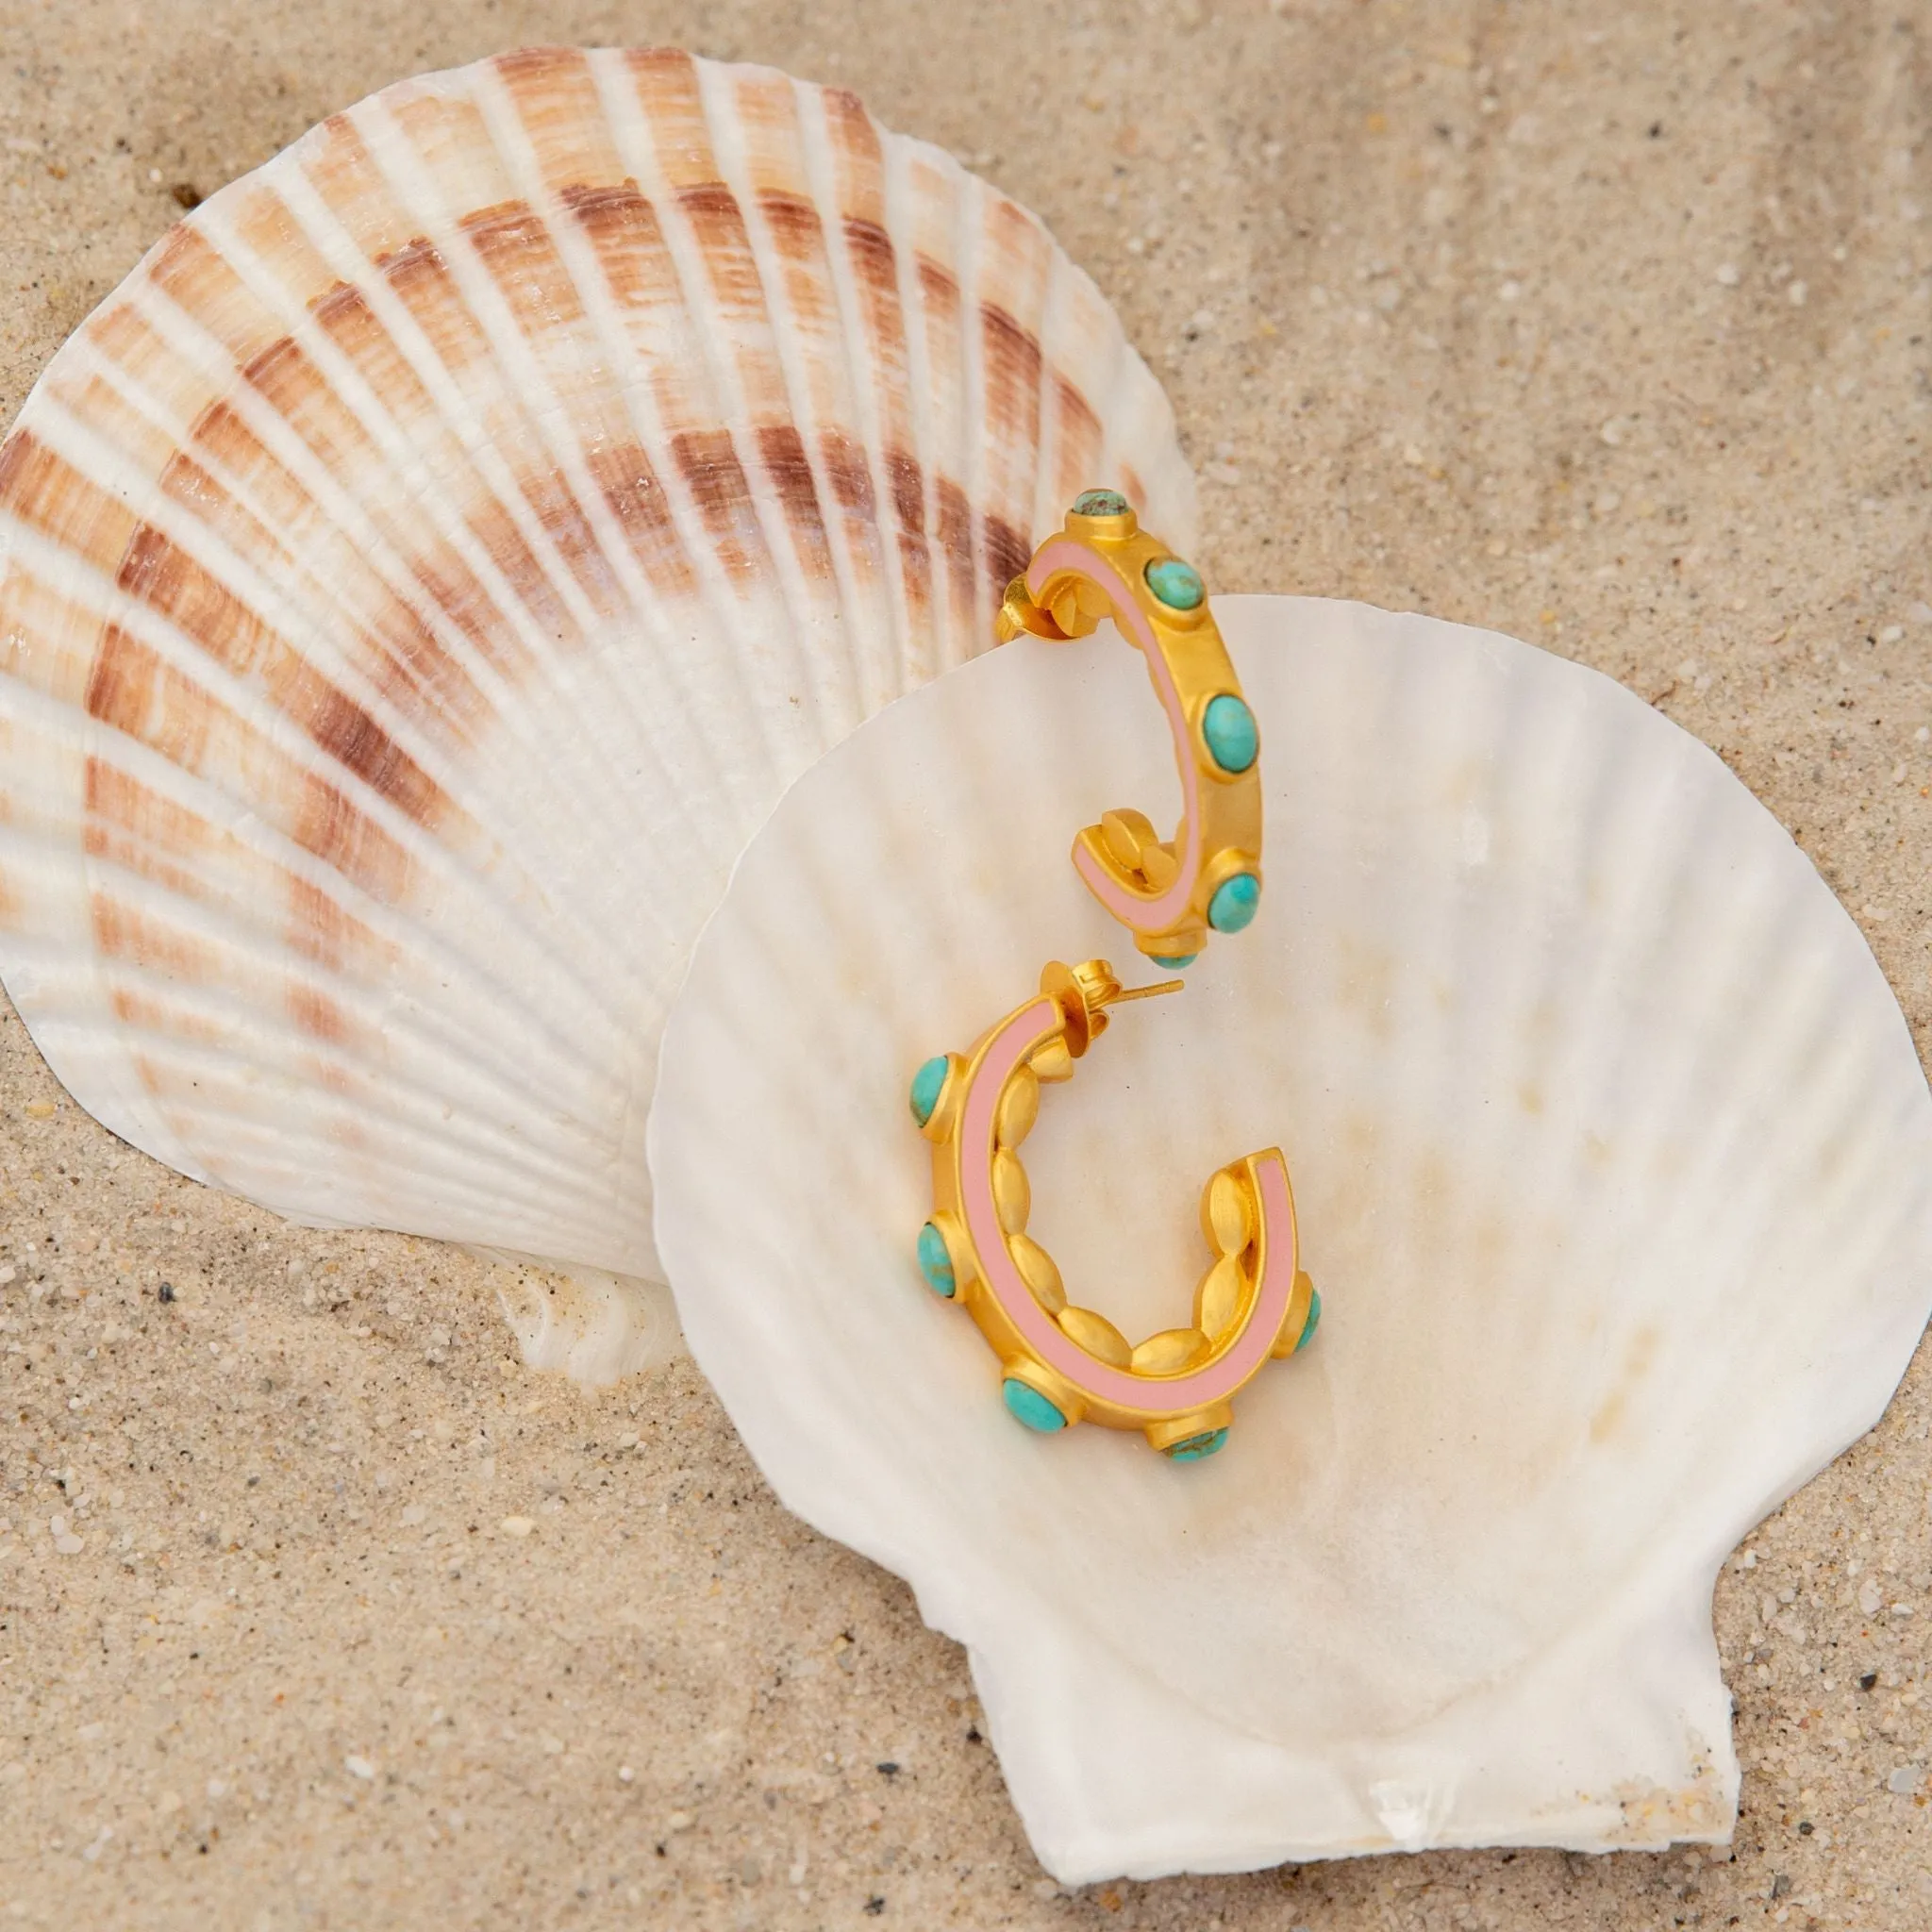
(1060, 1364)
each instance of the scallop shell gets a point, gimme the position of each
(420, 578)
(1612, 1162)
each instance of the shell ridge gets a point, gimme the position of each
(875, 237)
(969, 239)
(930, 645)
(210, 803)
(277, 732)
(740, 361)
(418, 1132)
(1014, 287)
(370, 549)
(322, 583)
(452, 525)
(504, 115)
(1050, 494)
(938, 400)
(347, 381)
(833, 694)
(283, 441)
(541, 416)
(497, 1054)
(887, 589)
(282, 617)
(863, 612)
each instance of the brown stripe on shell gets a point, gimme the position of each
(1008, 553)
(516, 247)
(707, 462)
(873, 260)
(667, 88)
(939, 307)
(347, 317)
(843, 458)
(1078, 442)
(158, 572)
(394, 648)
(126, 932)
(131, 690)
(187, 267)
(95, 404)
(1012, 377)
(423, 281)
(782, 451)
(629, 483)
(799, 236)
(1012, 412)
(858, 158)
(328, 825)
(906, 483)
(49, 495)
(556, 100)
(317, 927)
(717, 223)
(623, 228)
(955, 539)
(623, 231)
(47, 637)
(171, 845)
(144, 1012)
(811, 302)
(317, 1015)
(266, 225)
(132, 826)
(342, 172)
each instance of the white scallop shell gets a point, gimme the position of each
(1612, 1160)
(423, 573)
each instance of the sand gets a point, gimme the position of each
(1606, 324)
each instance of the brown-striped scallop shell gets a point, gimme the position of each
(420, 577)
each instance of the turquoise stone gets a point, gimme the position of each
(1235, 902)
(1314, 1320)
(1101, 503)
(934, 1262)
(1228, 727)
(1027, 1404)
(1197, 1448)
(927, 1083)
(1174, 961)
(1177, 584)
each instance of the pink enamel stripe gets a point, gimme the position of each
(1130, 909)
(1027, 1029)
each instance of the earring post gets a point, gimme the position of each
(1145, 993)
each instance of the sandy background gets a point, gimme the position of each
(1605, 324)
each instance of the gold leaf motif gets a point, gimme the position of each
(1226, 1215)
(1096, 1335)
(1218, 1300)
(1171, 1351)
(1019, 1107)
(1039, 1272)
(1052, 1061)
(1012, 1196)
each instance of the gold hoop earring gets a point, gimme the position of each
(1060, 1364)
(1208, 878)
